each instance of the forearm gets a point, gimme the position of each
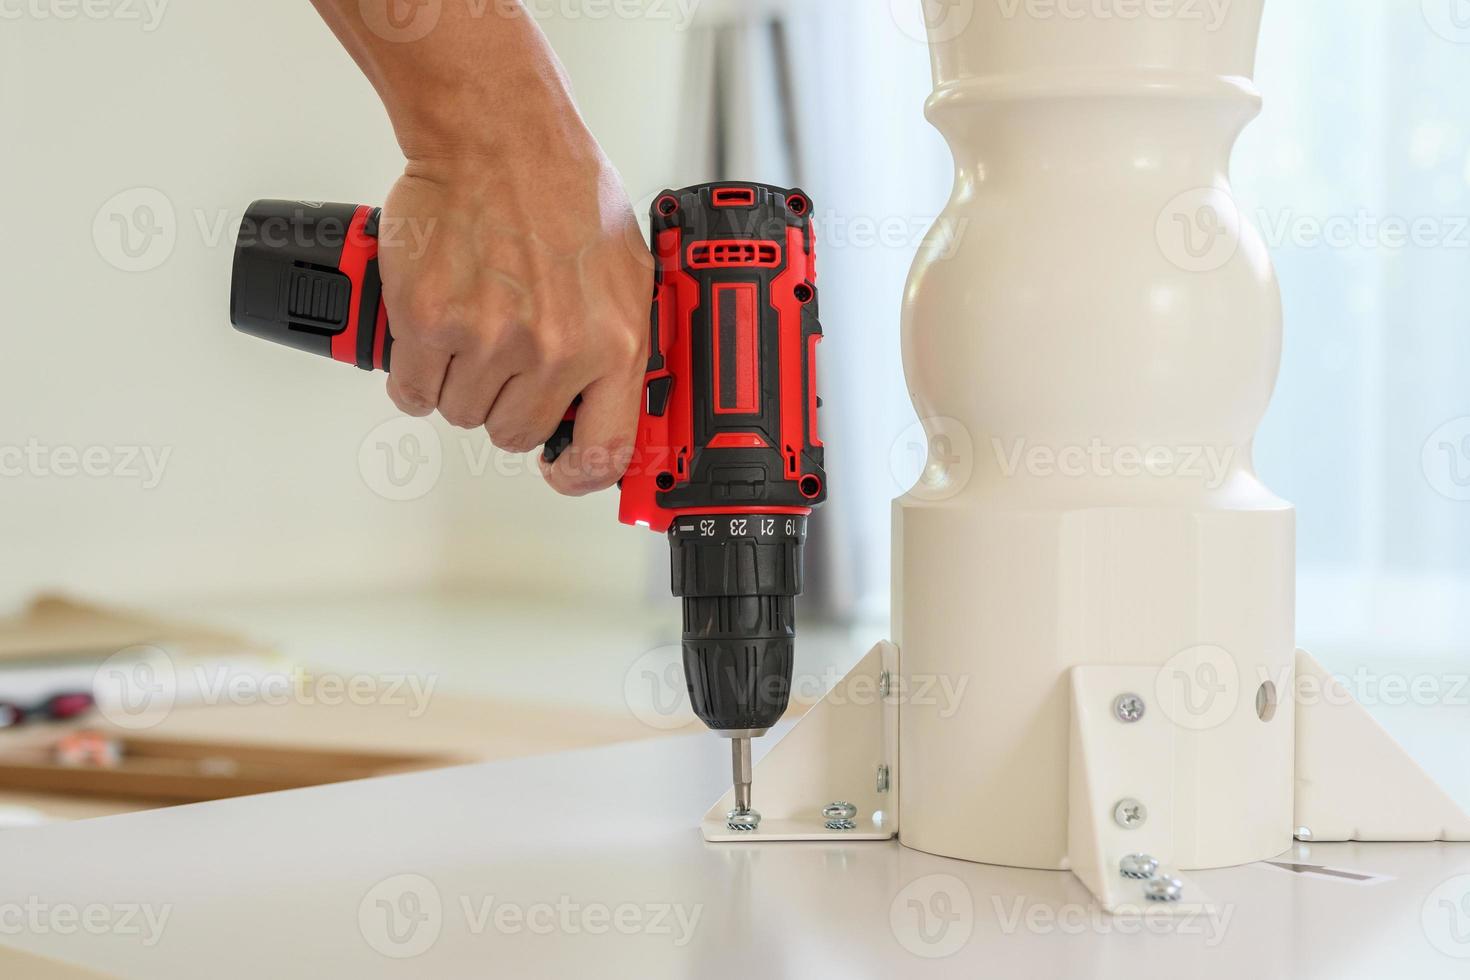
(482, 83)
(511, 310)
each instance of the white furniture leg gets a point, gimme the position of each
(1091, 349)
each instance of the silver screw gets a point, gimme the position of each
(885, 684)
(882, 779)
(743, 820)
(1128, 708)
(1304, 834)
(1163, 890)
(839, 816)
(1138, 866)
(1130, 813)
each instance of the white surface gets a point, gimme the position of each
(1091, 379)
(273, 885)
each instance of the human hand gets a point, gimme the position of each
(531, 289)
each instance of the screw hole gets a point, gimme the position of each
(665, 481)
(804, 293)
(811, 487)
(667, 205)
(1266, 701)
(798, 205)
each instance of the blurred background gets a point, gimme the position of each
(154, 459)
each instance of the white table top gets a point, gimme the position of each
(531, 868)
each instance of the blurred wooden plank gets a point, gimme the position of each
(14, 963)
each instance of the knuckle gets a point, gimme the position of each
(444, 334)
(560, 350)
(422, 310)
(628, 347)
(557, 479)
(412, 399)
(429, 318)
(461, 418)
(511, 438)
(588, 469)
(507, 342)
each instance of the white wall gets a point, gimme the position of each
(262, 493)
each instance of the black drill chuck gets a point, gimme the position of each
(738, 576)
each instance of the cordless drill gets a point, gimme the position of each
(727, 460)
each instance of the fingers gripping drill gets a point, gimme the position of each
(727, 463)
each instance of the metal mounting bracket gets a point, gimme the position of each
(1116, 765)
(845, 748)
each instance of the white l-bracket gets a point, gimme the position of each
(1353, 780)
(1116, 764)
(844, 749)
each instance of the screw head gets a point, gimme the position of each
(1128, 708)
(743, 820)
(839, 816)
(1138, 866)
(883, 777)
(1130, 813)
(1163, 890)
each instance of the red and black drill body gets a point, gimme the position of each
(727, 462)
